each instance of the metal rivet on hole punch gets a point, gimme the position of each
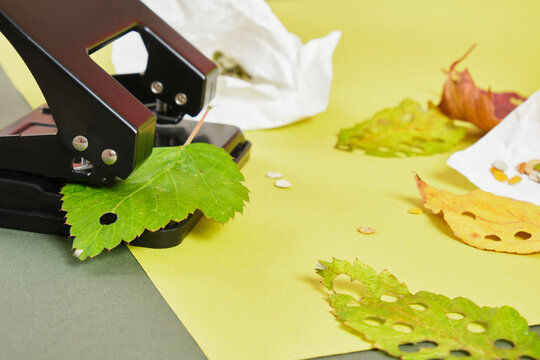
(109, 156)
(156, 87)
(80, 143)
(180, 99)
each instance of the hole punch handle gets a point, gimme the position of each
(55, 38)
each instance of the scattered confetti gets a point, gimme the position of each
(366, 230)
(521, 168)
(534, 176)
(498, 174)
(530, 165)
(500, 165)
(514, 180)
(274, 175)
(415, 211)
(282, 184)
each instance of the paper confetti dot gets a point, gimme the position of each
(366, 230)
(282, 184)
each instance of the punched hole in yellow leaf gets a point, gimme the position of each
(402, 328)
(344, 285)
(469, 215)
(374, 321)
(492, 237)
(504, 344)
(477, 327)
(454, 316)
(522, 235)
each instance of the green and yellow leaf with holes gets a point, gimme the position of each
(403, 130)
(425, 325)
(169, 186)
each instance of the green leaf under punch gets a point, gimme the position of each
(170, 185)
(426, 325)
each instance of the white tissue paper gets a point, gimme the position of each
(290, 81)
(514, 140)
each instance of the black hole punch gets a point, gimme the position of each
(108, 219)
(469, 214)
(522, 235)
(504, 344)
(460, 353)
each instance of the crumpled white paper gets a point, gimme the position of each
(290, 80)
(514, 140)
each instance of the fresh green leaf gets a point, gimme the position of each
(170, 185)
(425, 325)
(404, 130)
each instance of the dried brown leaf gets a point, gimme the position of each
(462, 99)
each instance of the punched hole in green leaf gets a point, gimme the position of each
(504, 344)
(108, 218)
(427, 344)
(454, 316)
(344, 285)
(418, 306)
(402, 328)
(522, 235)
(477, 327)
(388, 298)
(460, 353)
(526, 357)
(374, 321)
(409, 348)
(469, 214)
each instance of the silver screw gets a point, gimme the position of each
(109, 156)
(180, 99)
(156, 87)
(80, 143)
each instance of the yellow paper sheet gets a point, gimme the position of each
(248, 290)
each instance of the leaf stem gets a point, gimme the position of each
(197, 127)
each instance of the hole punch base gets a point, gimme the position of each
(33, 203)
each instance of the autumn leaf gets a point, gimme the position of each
(486, 221)
(170, 185)
(462, 100)
(403, 130)
(425, 325)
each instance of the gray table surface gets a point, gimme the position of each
(52, 306)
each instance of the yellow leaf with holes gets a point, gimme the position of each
(486, 221)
